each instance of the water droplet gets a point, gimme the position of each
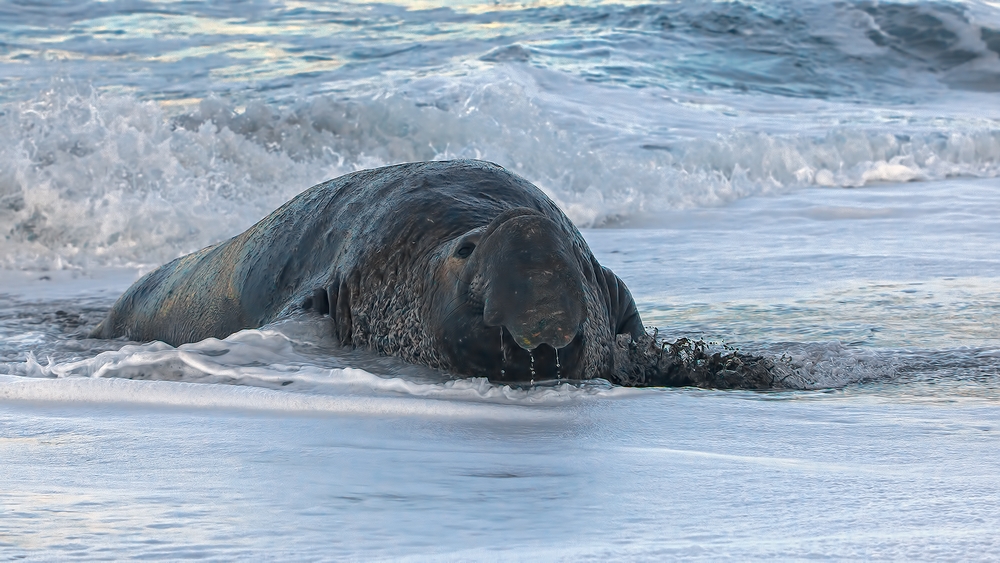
(558, 375)
(531, 354)
(503, 356)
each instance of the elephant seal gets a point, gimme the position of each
(460, 265)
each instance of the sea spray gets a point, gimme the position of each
(92, 179)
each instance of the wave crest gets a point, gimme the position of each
(92, 179)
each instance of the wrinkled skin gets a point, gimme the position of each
(518, 301)
(457, 265)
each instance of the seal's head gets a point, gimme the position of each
(510, 300)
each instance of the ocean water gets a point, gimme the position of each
(815, 181)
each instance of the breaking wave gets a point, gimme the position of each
(98, 179)
(299, 356)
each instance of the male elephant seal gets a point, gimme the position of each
(461, 266)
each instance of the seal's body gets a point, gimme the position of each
(458, 265)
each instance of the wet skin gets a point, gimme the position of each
(457, 265)
(516, 309)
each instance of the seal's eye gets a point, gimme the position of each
(465, 250)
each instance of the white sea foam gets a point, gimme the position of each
(93, 179)
(106, 179)
(276, 359)
(271, 359)
(201, 396)
(830, 365)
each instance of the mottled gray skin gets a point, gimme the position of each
(461, 266)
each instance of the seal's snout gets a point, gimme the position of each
(533, 286)
(532, 328)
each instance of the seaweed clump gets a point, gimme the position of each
(651, 362)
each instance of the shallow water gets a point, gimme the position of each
(678, 474)
(814, 182)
